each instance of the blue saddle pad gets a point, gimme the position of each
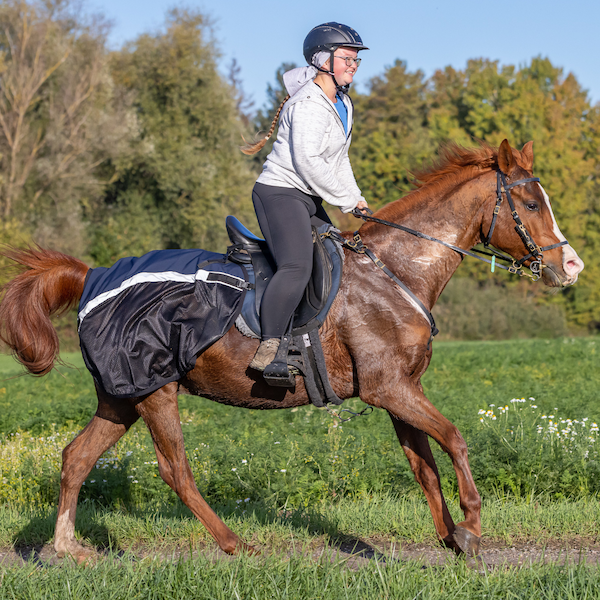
(144, 321)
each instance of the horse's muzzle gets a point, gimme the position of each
(554, 276)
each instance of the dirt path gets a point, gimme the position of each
(495, 553)
(358, 553)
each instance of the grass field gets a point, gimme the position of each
(300, 479)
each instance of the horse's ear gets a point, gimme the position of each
(506, 160)
(527, 154)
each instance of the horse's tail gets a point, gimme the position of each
(49, 283)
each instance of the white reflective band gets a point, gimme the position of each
(140, 278)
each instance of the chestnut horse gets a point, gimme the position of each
(376, 342)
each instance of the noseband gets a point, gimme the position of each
(535, 251)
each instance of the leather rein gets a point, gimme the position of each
(502, 188)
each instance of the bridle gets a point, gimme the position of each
(516, 266)
(535, 252)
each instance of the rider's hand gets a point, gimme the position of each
(361, 209)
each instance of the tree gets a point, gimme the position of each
(184, 172)
(404, 118)
(57, 125)
(390, 135)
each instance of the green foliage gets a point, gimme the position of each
(302, 457)
(520, 451)
(108, 154)
(472, 310)
(60, 118)
(390, 135)
(12, 233)
(184, 172)
(295, 485)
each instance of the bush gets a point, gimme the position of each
(468, 310)
(520, 450)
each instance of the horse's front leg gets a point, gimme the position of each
(403, 399)
(418, 452)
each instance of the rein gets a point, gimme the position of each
(535, 251)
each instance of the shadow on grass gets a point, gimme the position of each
(118, 528)
(312, 522)
(31, 541)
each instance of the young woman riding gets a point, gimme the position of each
(308, 164)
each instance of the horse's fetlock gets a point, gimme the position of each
(230, 546)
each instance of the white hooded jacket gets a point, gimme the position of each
(311, 150)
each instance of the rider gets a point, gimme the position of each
(308, 164)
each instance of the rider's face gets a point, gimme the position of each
(343, 73)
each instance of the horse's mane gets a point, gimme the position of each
(452, 165)
(455, 165)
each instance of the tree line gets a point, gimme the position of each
(109, 153)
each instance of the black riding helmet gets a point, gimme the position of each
(327, 38)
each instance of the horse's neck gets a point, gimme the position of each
(453, 216)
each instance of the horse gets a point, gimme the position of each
(376, 341)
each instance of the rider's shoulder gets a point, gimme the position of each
(309, 94)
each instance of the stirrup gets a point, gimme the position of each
(277, 373)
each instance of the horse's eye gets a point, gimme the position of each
(531, 206)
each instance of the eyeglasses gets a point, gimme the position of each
(350, 60)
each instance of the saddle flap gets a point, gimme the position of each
(318, 287)
(247, 248)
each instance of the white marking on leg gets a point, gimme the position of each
(65, 527)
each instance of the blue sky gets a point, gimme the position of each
(428, 34)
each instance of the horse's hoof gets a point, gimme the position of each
(81, 555)
(468, 542)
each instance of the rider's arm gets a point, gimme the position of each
(320, 155)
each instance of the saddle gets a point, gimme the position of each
(252, 252)
(300, 348)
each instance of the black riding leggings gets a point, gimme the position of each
(285, 216)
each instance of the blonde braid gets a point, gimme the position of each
(257, 146)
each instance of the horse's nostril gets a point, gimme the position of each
(572, 266)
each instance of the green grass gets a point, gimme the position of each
(300, 457)
(285, 478)
(274, 577)
(386, 518)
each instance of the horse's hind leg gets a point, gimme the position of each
(418, 451)
(161, 414)
(112, 419)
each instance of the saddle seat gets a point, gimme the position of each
(252, 252)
